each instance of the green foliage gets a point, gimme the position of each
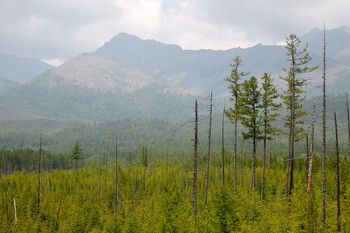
(76, 153)
(233, 113)
(250, 108)
(270, 106)
(165, 204)
(293, 97)
(225, 218)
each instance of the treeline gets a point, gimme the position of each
(27, 160)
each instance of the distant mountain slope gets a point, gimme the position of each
(6, 85)
(92, 88)
(199, 70)
(204, 70)
(19, 69)
(130, 77)
(337, 43)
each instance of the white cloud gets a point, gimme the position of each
(61, 29)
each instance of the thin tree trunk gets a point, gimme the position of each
(99, 182)
(337, 173)
(242, 164)
(208, 153)
(307, 155)
(15, 209)
(235, 157)
(223, 146)
(116, 177)
(39, 174)
(311, 152)
(291, 139)
(323, 161)
(291, 152)
(252, 182)
(132, 188)
(195, 160)
(58, 212)
(106, 175)
(262, 194)
(348, 115)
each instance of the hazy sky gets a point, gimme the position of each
(56, 30)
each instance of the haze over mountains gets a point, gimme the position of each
(131, 77)
(19, 69)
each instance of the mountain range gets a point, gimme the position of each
(131, 77)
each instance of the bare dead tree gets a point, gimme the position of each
(337, 173)
(132, 184)
(307, 155)
(39, 173)
(195, 160)
(99, 181)
(223, 146)
(348, 115)
(208, 152)
(311, 152)
(106, 173)
(15, 209)
(116, 177)
(324, 116)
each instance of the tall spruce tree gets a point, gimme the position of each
(233, 113)
(293, 98)
(250, 102)
(269, 108)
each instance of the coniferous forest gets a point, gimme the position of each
(267, 161)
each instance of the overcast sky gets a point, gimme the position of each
(56, 30)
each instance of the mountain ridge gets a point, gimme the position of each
(132, 77)
(20, 69)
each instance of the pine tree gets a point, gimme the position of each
(293, 98)
(250, 101)
(233, 113)
(269, 107)
(76, 154)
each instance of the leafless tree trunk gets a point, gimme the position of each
(291, 139)
(337, 173)
(15, 209)
(348, 115)
(311, 152)
(106, 173)
(262, 194)
(195, 160)
(323, 161)
(235, 158)
(223, 146)
(307, 154)
(99, 182)
(252, 182)
(116, 177)
(39, 173)
(208, 153)
(132, 188)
